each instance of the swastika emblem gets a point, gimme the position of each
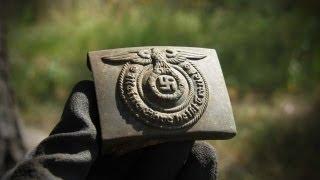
(167, 84)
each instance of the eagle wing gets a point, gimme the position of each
(139, 57)
(179, 56)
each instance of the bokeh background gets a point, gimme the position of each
(269, 52)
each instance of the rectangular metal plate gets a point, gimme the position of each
(160, 93)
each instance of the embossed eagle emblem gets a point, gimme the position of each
(155, 55)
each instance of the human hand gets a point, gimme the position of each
(72, 151)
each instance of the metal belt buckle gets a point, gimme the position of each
(152, 94)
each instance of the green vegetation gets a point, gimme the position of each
(269, 52)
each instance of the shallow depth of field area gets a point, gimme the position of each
(269, 52)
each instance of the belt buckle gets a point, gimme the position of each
(152, 94)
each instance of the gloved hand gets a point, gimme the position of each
(72, 151)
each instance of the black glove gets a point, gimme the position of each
(72, 151)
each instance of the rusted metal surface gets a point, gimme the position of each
(160, 93)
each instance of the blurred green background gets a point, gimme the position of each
(269, 52)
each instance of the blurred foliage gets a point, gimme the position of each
(276, 140)
(266, 49)
(263, 46)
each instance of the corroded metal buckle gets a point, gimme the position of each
(160, 93)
